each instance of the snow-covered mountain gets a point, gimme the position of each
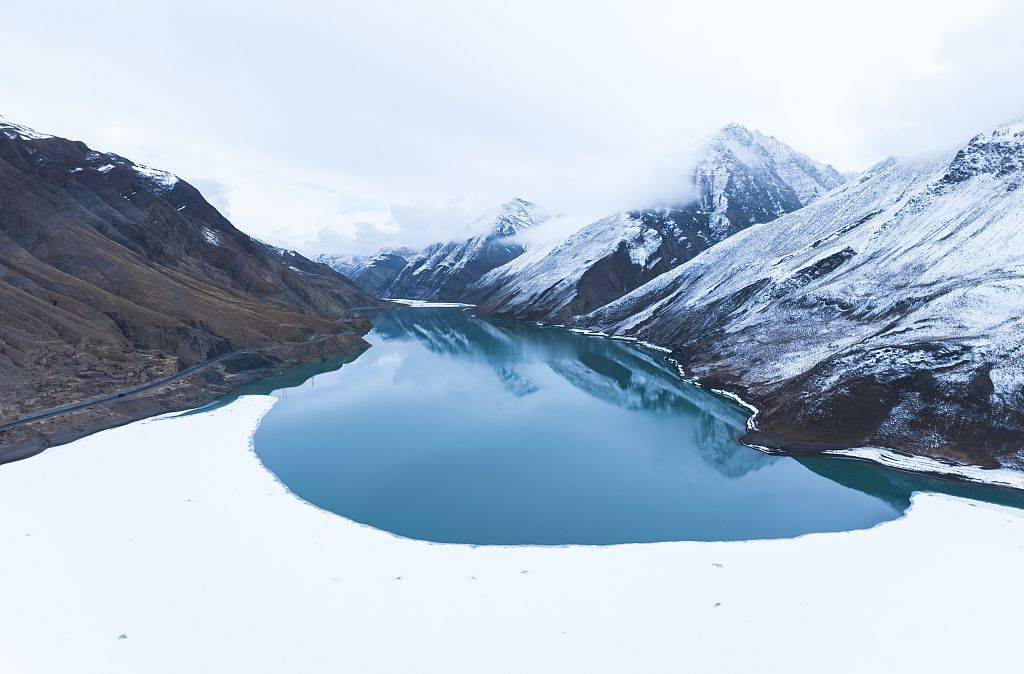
(740, 177)
(889, 313)
(443, 270)
(372, 273)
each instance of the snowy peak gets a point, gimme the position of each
(735, 148)
(512, 217)
(740, 178)
(997, 152)
(371, 273)
(403, 252)
(103, 163)
(339, 261)
(17, 131)
(442, 270)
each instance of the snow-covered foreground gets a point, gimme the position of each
(171, 533)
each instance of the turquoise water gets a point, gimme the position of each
(456, 429)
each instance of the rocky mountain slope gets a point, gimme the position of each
(372, 273)
(740, 178)
(442, 271)
(889, 313)
(113, 274)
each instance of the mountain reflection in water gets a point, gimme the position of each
(616, 372)
(457, 429)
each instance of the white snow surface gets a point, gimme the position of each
(922, 464)
(171, 533)
(424, 304)
(160, 178)
(510, 218)
(809, 178)
(211, 236)
(351, 264)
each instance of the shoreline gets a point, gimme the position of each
(214, 553)
(192, 388)
(427, 304)
(882, 456)
(158, 403)
(1006, 478)
(888, 458)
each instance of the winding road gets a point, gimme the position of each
(156, 383)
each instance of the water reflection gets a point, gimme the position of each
(615, 372)
(457, 429)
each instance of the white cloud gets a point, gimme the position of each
(216, 192)
(414, 117)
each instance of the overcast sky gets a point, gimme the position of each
(340, 126)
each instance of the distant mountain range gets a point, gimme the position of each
(113, 274)
(373, 273)
(740, 178)
(442, 271)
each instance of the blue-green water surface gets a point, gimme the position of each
(457, 429)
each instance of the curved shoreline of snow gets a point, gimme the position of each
(171, 532)
(1002, 477)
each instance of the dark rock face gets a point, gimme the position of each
(113, 274)
(740, 178)
(443, 270)
(886, 314)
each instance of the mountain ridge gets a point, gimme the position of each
(442, 270)
(113, 274)
(740, 177)
(881, 315)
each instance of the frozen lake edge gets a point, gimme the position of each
(171, 532)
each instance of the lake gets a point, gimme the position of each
(461, 430)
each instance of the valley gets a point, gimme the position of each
(534, 337)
